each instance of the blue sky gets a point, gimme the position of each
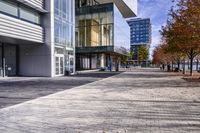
(157, 10)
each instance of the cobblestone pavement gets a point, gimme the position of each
(140, 101)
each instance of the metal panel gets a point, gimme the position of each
(100, 49)
(128, 8)
(36, 4)
(18, 29)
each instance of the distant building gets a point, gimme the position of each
(140, 34)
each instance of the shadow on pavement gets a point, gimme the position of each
(15, 92)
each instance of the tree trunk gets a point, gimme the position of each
(178, 65)
(184, 66)
(191, 65)
(197, 64)
(191, 57)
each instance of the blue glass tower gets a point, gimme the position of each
(140, 34)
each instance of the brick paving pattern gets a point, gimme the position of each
(138, 101)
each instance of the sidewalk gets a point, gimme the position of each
(140, 101)
(15, 90)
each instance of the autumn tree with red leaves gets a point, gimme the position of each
(182, 32)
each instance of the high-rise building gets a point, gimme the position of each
(37, 37)
(102, 33)
(140, 34)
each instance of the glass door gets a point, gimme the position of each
(59, 65)
(71, 64)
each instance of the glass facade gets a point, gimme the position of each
(140, 31)
(94, 26)
(64, 22)
(101, 25)
(102, 35)
(14, 9)
(121, 32)
(64, 36)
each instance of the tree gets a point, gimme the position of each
(130, 55)
(143, 53)
(182, 32)
(124, 60)
(162, 57)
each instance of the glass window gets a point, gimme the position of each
(103, 18)
(9, 8)
(94, 35)
(29, 15)
(64, 22)
(72, 11)
(57, 65)
(56, 31)
(72, 35)
(64, 6)
(96, 18)
(56, 5)
(95, 28)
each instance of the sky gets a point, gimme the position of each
(157, 11)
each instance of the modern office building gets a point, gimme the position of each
(37, 37)
(140, 34)
(102, 33)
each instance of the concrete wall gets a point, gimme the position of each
(34, 60)
(38, 60)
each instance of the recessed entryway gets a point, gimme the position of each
(8, 60)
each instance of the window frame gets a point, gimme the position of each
(19, 6)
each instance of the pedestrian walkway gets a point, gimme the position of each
(15, 90)
(138, 101)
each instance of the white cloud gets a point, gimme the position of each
(157, 10)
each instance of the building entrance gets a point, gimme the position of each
(59, 65)
(69, 64)
(8, 60)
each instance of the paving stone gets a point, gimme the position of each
(137, 101)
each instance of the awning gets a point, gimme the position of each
(128, 8)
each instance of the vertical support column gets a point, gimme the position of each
(102, 61)
(117, 64)
(100, 33)
(90, 61)
(3, 60)
(17, 60)
(110, 62)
